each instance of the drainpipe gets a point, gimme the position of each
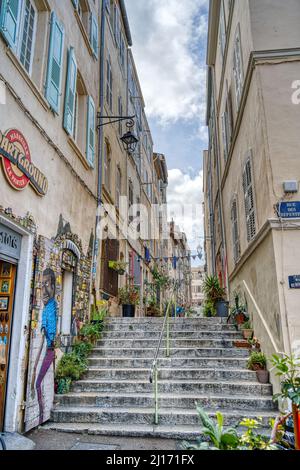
(225, 270)
(100, 144)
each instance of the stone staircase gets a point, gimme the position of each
(116, 398)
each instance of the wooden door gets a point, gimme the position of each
(109, 278)
(7, 288)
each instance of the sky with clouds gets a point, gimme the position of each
(169, 47)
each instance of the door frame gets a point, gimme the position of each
(20, 330)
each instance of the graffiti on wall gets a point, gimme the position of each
(46, 343)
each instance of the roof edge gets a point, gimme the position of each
(126, 22)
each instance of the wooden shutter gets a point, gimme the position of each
(55, 61)
(109, 278)
(249, 201)
(235, 231)
(9, 21)
(90, 137)
(71, 82)
(94, 34)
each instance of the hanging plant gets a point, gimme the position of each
(118, 266)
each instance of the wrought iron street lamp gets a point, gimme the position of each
(129, 139)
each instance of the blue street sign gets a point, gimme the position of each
(294, 282)
(289, 210)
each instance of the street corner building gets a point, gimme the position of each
(252, 169)
(49, 69)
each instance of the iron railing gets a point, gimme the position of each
(154, 369)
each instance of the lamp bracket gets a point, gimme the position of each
(129, 119)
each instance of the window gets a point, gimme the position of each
(18, 27)
(118, 186)
(227, 120)
(70, 96)
(122, 51)
(90, 131)
(120, 111)
(130, 194)
(55, 60)
(117, 28)
(222, 33)
(109, 84)
(94, 34)
(235, 230)
(107, 163)
(238, 67)
(249, 200)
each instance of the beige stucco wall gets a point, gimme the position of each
(275, 24)
(65, 195)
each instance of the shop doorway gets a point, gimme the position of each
(7, 290)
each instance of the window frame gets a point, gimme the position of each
(238, 66)
(249, 193)
(20, 33)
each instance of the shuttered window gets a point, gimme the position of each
(117, 30)
(222, 33)
(120, 112)
(235, 230)
(109, 84)
(238, 66)
(249, 200)
(227, 126)
(122, 51)
(94, 34)
(28, 35)
(55, 60)
(70, 96)
(9, 21)
(107, 163)
(90, 134)
(118, 187)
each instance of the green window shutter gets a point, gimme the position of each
(70, 92)
(55, 62)
(94, 34)
(90, 136)
(75, 3)
(9, 21)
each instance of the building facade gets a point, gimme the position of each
(197, 282)
(252, 171)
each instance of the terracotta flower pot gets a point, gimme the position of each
(247, 334)
(242, 343)
(240, 318)
(296, 418)
(262, 376)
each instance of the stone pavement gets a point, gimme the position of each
(53, 440)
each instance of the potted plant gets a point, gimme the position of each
(216, 295)
(247, 330)
(209, 309)
(118, 266)
(129, 298)
(254, 343)
(258, 362)
(99, 312)
(288, 369)
(238, 312)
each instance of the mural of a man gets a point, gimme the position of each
(49, 322)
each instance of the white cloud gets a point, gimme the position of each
(168, 36)
(185, 198)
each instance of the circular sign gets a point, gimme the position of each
(15, 176)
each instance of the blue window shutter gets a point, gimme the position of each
(94, 34)
(75, 3)
(90, 136)
(55, 62)
(9, 21)
(70, 92)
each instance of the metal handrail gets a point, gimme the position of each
(154, 370)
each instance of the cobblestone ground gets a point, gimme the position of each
(51, 440)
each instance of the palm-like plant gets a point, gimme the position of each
(219, 439)
(212, 289)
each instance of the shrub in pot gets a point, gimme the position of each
(258, 362)
(129, 298)
(238, 312)
(215, 295)
(288, 369)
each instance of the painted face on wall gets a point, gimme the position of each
(48, 286)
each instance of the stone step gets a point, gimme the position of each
(174, 386)
(143, 320)
(217, 402)
(174, 343)
(172, 374)
(181, 352)
(171, 417)
(193, 334)
(174, 362)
